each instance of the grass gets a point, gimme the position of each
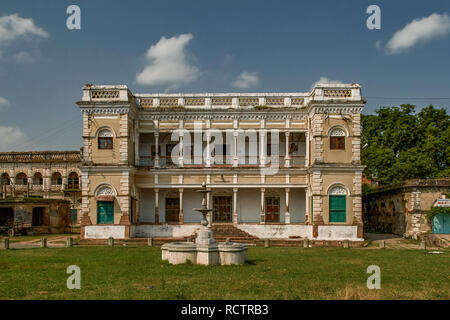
(271, 273)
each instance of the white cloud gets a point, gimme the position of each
(4, 104)
(419, 30)
(246, 80)
(24, 57)
(14, 28)
(325, 80)
(11, 136)
(168, 64)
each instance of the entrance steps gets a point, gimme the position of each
(224, 231)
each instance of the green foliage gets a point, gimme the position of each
(367, 188)
(397, 144)
(435, 211)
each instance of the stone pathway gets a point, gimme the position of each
(56, 242)
(393, 241)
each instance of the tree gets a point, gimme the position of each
(398, 144)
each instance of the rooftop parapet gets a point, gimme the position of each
(321, 92)
(40, 156)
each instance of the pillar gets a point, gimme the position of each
(208, 149)
(180, 216)
(287, 217)
(235, 149)
(157, 149)
(262, 215)
(137, 159)
(307, 206)
(262, 148)
(156, 206)
(208, 205)
(307, 149)
(181, 151)
(235, 213)
(287, 158)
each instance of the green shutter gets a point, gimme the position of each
(338, 209)
(105, 212)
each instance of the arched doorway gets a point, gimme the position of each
(6, 216)
(38, 217)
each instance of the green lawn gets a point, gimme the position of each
(271, 273)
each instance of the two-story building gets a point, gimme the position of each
(40, 189)
(279, 165)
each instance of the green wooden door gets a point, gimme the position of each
(338, 209)
(105, 212)
(441, 224)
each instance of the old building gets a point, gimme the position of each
(402, 208)
(279, 165)
(41, 188)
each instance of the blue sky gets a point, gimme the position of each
(219, 46)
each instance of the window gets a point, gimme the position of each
(56, 179)
(272, 209)
(172, 209)
(21, 179)
(338, 204)
(5, 179)
(37, 179)
(105, 139)
(73, 181)
(337, 139)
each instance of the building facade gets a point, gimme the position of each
(41, 188)
(279, 165)
(402, 208)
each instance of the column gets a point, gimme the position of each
(208, 150)
(307, 206)
(137, 159)
(235, 213)
(64, 180)
(208, 206)
(156, 206)
(287, 217)
(156, 164)
(180, 216)
(307, 149)
(262, 148)
(287, 156)
(235, 149)
(181, 151)
(262, 215)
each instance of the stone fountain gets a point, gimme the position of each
(205, 250)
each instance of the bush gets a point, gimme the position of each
(435, 211)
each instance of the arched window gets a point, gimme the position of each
(38, 179)
(73, 181)
(338, 204)
(5, 179)
(337, 139)
(56, 179)
(21, 179)
(105, 139)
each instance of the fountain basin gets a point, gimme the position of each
(179, 252)
(204, 254)
(232, 253)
